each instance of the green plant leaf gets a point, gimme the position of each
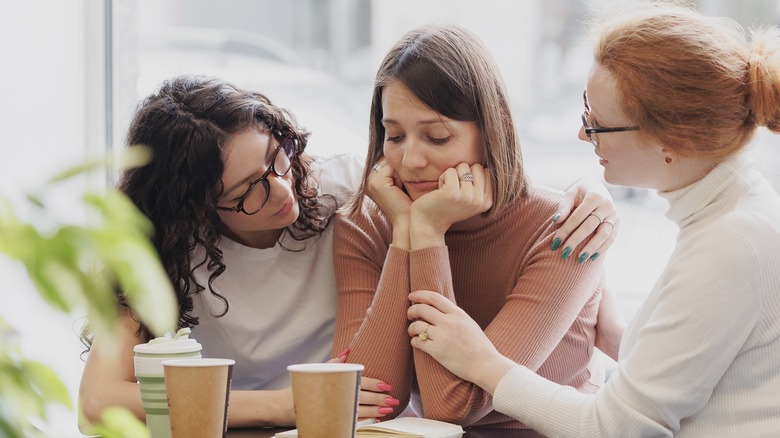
(118, 422)
(46, 383)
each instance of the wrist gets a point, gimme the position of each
(491, 371)
(401, 233)
(423, 233)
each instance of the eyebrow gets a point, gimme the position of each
(238, 184)
(268, 152)
(423, 122)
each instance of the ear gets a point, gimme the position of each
(667, 155)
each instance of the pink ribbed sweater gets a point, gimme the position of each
(536, 308)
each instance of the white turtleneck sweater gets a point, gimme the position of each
(702, 356)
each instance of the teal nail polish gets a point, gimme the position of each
(594, 256)
(556, 217)
(566, 253)
(584, 256)
(556, 243)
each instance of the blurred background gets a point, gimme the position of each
(74, 71)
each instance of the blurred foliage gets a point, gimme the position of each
(79, 267)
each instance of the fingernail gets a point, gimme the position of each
(566, 253)
(556, 217)
(584, 256)
(556, 243)
(594, 256)
(344, 353)
(390, 401)
(385, 410)
(384, 387)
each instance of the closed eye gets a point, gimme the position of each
(394, 139)
(442, 140)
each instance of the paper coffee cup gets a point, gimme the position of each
(151, 377)
(325, 396)
(198, 396)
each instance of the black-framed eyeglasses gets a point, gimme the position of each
(592, 131)
(256, 195)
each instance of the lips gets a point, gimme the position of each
(421, 186)
(286, 207)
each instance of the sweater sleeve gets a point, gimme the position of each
(541, 306)
(708, 302)
(372, 279)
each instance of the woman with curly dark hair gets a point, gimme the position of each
(242, 218)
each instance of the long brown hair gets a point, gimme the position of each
(449, 69)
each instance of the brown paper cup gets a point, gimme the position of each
(326, 398)
(198, 394)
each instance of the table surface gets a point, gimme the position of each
(470, 433)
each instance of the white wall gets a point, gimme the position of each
(42, 115)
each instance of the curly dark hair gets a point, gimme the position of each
(186, 124)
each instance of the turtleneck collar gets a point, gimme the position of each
(717, 190)
(481, 221)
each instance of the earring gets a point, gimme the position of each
(668, 160)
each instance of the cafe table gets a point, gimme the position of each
(470, 433)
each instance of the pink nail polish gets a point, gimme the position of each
(344, 353)
(385, 410)
(384, 387)
(390, 401)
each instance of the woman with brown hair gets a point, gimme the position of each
(444, 205)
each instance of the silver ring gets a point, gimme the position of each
(423, 335)
(599, 217)
(468, 176)
(606, 221)
(377, 167)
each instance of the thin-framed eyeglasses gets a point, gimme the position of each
(592, 131)
(256, 195)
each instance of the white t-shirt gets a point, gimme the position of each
(282, 303)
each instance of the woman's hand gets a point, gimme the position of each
(455, 340)
(595, 216)
(373, 400)
(385, 189)
(458, 197)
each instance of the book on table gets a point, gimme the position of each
(406, 427)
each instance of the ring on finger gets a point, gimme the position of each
(468, 176)
(607, 221)
(377, 167)
(598, 216)
(423, 335)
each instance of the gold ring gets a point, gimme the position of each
(423, 335)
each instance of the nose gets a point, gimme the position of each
(582, 135)
(414, 155)
(279, 186)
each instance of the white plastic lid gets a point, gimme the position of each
(179, 343)
(325, 367)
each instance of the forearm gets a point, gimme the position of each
(93, 399)
(381, 331)
(444, 395)
(261, 408)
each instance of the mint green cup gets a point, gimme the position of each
(151, 376)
